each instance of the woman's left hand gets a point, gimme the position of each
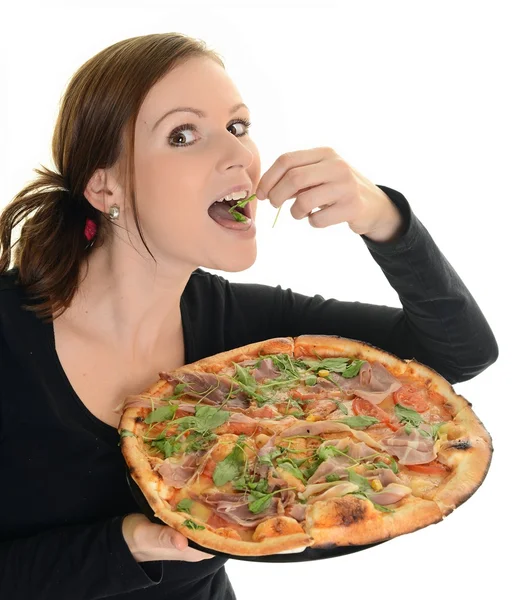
(320, 178)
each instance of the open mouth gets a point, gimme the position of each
(232, 214)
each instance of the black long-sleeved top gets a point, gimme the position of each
(62, 475)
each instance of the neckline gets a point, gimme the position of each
(102, 428)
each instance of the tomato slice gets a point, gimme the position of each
(432, 468)
(361, 406)
(412, 396)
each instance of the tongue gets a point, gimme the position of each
(219, 212)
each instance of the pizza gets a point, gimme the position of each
(313, 441)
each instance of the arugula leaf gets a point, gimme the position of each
(341, 407)
(394, 465)
(347, 367)
(408, 416)
(311, 380)
(204, 419)
(260, 503)
(192, 525)
(332, 477)
(184, 505)
(435, 429)
(267, 459)
(166, 445)
(357, 479)
(126, 433)
(293, 470)
(353, 369)
(240, 204)
(232, 465)
(324, 452)
(163, 413)
(360, 421)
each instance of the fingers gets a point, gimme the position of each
(288, 174)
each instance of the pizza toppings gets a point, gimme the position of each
(410, 446)
(374, 382)
(411, 396)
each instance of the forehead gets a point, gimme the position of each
(199, 82)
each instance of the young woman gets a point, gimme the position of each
(105, 288)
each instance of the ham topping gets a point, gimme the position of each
(373, 382)
(178, 474)
(214, 388)
(412, 448)
(234, 507)
(394, 492)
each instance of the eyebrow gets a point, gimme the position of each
(199, 113)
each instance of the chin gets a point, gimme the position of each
(236, 262)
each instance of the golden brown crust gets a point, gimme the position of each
(464, 446)
(354, 521)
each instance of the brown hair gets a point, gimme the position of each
(96, 121)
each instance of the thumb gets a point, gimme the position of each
(168, 537)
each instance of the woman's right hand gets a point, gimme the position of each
(149, 541)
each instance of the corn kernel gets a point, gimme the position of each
(323, 373)
(376, 485)
(312, 418)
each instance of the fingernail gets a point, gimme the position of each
(260, 194)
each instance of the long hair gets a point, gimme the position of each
(95, 124)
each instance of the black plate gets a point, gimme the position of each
(305, 555)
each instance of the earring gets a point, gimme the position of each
(114, 212)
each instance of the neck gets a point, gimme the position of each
(128, 301)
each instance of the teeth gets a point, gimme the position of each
(234, 196)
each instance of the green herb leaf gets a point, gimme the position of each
(360, 421)
(394, 465)
(435, 428)
(192, 525)
(408, 415)
(167, 446)
(261, 503)
(293, 470)
(332, 477)
(127, 433)
(353, 369)
(184, 505)
(163, 413)
(357, 479)
(240, 204)
(277, 215)
(231, 466)
(324, 452)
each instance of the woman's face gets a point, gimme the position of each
(185, 161)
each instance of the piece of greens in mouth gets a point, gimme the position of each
(240, 204)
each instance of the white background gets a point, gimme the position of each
(421, 97)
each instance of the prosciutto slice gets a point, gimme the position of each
(214, 388)
(178, 474)
(234, 508)
(373, 382)
(394, 492)
(410, 449)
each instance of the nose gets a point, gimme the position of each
(233, 152)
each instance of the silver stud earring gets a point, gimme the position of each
(114, 212)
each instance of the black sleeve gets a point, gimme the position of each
(439, 323)
(84, 562)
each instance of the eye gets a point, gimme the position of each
(178, 139)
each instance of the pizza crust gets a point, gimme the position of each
(352, 521)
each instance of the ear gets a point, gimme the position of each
(103, 190)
